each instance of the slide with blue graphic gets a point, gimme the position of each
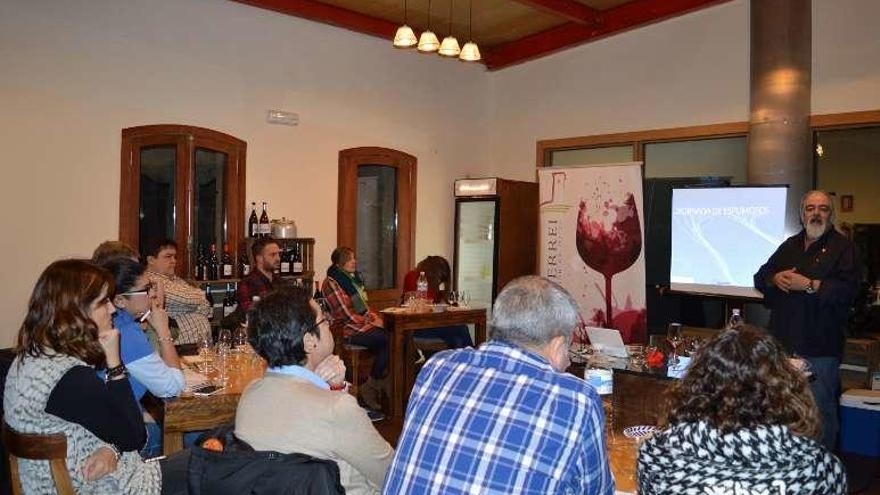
(722, 235)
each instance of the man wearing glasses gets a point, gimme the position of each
(809, 284)
(300, 404)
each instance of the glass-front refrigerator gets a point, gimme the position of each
(475, 249)
(496, 222)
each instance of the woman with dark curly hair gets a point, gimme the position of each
(742, 420)
(52, 387)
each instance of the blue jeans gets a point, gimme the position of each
(153, 447)
(455, 337)
(826, 391)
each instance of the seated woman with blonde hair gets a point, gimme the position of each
(742, 420)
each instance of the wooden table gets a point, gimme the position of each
(193, 413)
(400, 324)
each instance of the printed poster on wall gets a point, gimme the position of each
(592, 242)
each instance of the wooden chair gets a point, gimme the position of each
(52, 448)
(350, 354)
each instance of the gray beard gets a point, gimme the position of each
(815, 230)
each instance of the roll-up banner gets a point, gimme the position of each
(592, 242)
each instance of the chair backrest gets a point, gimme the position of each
(52, 448)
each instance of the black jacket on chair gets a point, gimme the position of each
(240, 470)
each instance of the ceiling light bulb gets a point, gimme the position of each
(449, 47)
(428, 42)
(470, 52)
(405, 37)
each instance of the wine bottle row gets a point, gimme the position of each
(209, 266)
(228, 303)
(259, 227)
(291, 260)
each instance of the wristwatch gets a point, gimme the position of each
(810, 289)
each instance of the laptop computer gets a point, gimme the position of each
(607, 341)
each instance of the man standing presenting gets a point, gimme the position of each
(809, 284)
(184, 303)
(264, 276)
(506, 418)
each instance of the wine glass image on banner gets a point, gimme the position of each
(591, 243)
(609, 238)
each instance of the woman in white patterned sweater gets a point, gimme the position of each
(741, 421)
(52, 387)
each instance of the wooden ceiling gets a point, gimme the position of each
(508, 32)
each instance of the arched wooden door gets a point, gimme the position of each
(376, 217)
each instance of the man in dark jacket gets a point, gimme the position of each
(809, 284)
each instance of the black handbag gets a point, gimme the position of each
(239, 469)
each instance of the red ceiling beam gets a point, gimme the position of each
(329, 14)
(569, 9)
(612, 21)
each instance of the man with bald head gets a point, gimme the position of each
(809, 284)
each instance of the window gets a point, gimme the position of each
(184, 183)
(591, 156)
(724, 157)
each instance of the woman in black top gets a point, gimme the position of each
(66, 334)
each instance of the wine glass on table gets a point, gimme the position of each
(674, 338)
(206, 354)
(224, 338)
(452, 298)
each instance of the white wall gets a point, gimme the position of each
(846, 56)
(689, 70)
(75, 73)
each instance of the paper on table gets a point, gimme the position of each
(193, 379)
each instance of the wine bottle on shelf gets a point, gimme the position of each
(217, 305)
(297, 264)
(285, 261)
(229, 302)
(226, 263)
(199, 265)
(253, 222)
(244, 265)
(212, 263)
(210, 300)
(265, 228)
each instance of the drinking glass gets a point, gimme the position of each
(674, 337)
(221, 364)
(224, 338)
(206, 354)
(464, 298)
(452, 298)
(241, 338)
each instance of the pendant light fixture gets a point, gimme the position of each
(470, 52)
(449, 47)
(404, 37)
(428, 41)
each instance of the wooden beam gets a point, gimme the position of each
(329, 14)
(568, 9)
(630, 15)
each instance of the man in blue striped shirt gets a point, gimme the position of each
(506, 418)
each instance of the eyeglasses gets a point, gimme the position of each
(139, 292)
(325, 309)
